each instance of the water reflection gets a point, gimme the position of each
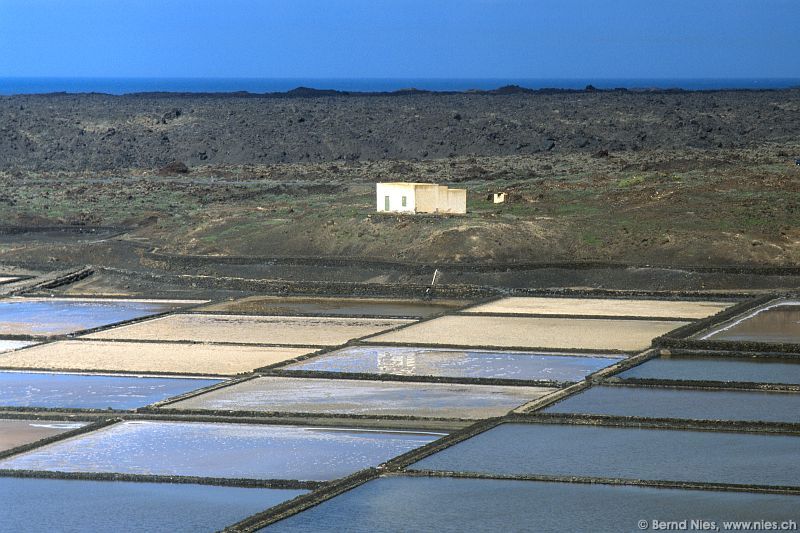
(222, 450)
(90, 391)
(57, 316)
(409, 361)
(775, 323)
(630, 453)
(48, 505)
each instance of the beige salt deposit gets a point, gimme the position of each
(523, 332)
(603, 307)
(149, 357)
(303, 331)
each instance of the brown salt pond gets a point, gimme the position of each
(283, 305)
(523, 332)
(603, 307)
(151, 357)
(15, 433)
(777, 322)
(362, 397)
(282, 330)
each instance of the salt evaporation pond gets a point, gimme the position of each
(620, 307)
(287, 305)
(6, 346)
(15, 433)
(775, 323)
(148, 357)
(91, 391)
(457, 363)
(532, 333)
(284, 330)
(629, 453)
(59, 316)
(47, 505)
(696, 404)
(222, 450)
(731, 369)
(452, 504)
(362, 397)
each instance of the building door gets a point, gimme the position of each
(386, 203)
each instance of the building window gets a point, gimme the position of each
(386, 203)
(403, 201)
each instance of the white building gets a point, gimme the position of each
(402, 197)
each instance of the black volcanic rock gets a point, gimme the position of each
(103, 132)
(174, 167)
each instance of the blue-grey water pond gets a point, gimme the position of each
(406, 361)
(90, 391)
(49, 505)
(452, 504)
(222, 450)
(58, 316)
(733, 369)
(697, 404)
(631, 453)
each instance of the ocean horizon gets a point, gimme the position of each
(119, 86)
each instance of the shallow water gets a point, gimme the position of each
(15, 433)
(12, 345)
(332, 306)
(361, 397)
(658, 402)
(90, 391)
(632, 453)
(452, 504)
(777, 323)
(53, 316)
(456, 363)
(741, 369)
(222, 450)
(48, 505)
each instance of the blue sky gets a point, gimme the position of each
(401, 38)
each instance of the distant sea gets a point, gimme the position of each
(9, 86)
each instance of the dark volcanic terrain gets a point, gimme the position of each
(101, 132)
(661, 178)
